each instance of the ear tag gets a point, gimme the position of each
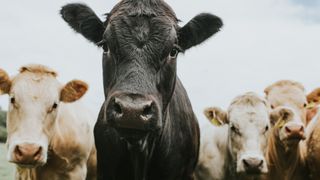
(280, 123)
(215, 122)
(311, 105)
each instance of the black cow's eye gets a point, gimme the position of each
(272, 107)
(267, 128)
(305, 105)
(12, 100)
(174, 53)
(105, 48)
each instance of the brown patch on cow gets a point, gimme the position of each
(73, 91)
(37, 68)
(280, 114)
(314, 96)
(282, 164)
(92, 164)
(313, 99)
(5, 82)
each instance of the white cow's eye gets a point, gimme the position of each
(54, 106)
(235, 129)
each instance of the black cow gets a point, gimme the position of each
(146, 128)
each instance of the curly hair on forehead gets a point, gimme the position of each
(39, 69)
(284, 83)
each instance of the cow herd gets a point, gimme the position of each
(276, 137)
(146, 128)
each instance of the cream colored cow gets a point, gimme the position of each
(50, 136)
(235, 149)
(287, 150)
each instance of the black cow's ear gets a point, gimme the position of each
(84, 21)
(198, 30)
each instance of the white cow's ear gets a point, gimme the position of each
(5, 82)
(280, 114)
(73, 91)
(216, 116)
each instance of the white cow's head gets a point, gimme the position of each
(34, 100)
(248, 121)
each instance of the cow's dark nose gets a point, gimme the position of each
(253, 165)
(132, 112)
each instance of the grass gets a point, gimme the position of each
(6, 168)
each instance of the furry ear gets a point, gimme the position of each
(73, 91)
(280, 115)
(198, 30)
(216, 116)
(314, 96)
(83, 20)
(5, 82)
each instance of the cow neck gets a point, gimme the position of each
(231, 165)
(281, 160)
(140, 155)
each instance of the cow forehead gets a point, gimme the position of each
(245, 115)
(286, 94)
(141, 34)
(35, 87)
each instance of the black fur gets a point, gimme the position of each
(140, 40)
(84, 21)
(199, 29)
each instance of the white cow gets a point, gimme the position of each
(49, 136)
(236, 149)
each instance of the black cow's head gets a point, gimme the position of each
(141, 40)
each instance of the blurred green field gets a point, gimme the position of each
(6, 169)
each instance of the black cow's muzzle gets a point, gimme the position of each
(133, 115)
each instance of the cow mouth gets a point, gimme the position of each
(132, 135)
(253, 172)
(29, 165)
(295, 138)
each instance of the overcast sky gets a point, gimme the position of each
(262, 41)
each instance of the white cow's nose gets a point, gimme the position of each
(27, 154)
(253, 165)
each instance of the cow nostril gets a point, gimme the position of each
(301, 129)
(147, 110)
(117, 108)
(288, 129)
(38, 152)
(260, 164)
(17, 151)
(245, 163)
(146, 113)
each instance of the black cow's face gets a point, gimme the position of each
(141, 41)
